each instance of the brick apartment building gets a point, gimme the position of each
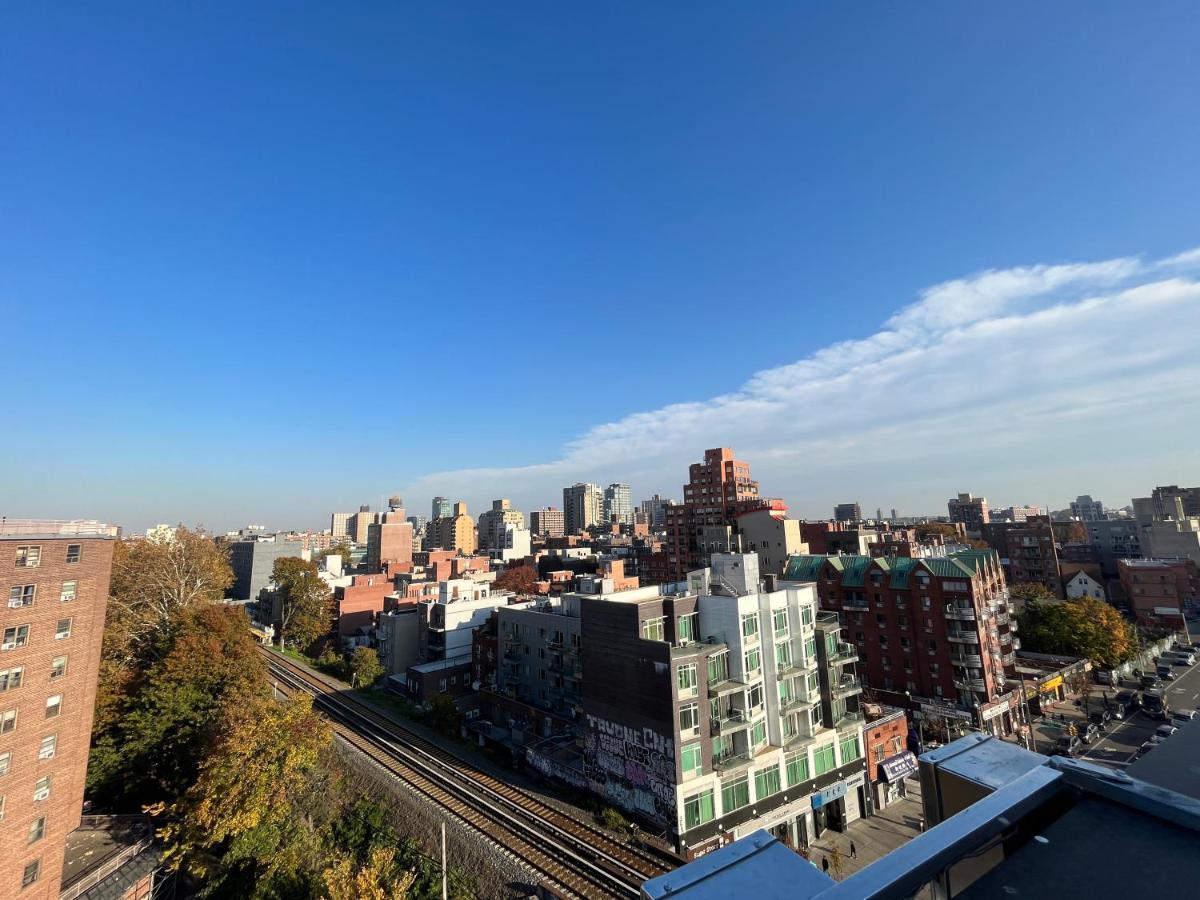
(718, 489)
(55, 576)
(547, 522)
(1159, 590)
(935, 636)
(1028, 552)
(971, 511)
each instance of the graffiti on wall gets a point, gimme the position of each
(633, 768)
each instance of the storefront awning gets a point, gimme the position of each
(894, 768)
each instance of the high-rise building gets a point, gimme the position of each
(935, 634)
(360, 522)
(492, 522)
(1085, 509)
(1028, 551)
(718, 489)
(253, 563)
(655, 511)
(339, 525)
(390, 540)
(1015, 513)
(847, 512)
(441, 508)
(618, 504)
(969, 510)
(55, 576)
(547, 522)
(1163, 501)
(453, 532)
(418, 524)
(583, 506)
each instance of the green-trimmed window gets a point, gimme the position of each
(750, 625)
(766, 783)
(823, 760)
(850, 749)
(686, 627)
(753, 661)
(692, 759)
(810, 650)
(781, 622)
(655, 629)
(806, 615)
(735, 795)
(686, 678)
(783, 654)
(797, 768)
(718, 667)
(698, 809)
(758, 733)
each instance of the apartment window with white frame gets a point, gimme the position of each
(74, 553)
(689, 719)
(37, 829)
(41, 789)
(655, 629)
(750, 625)
(31, 874)
(686, 679)
(10, 679)
(29, 557)
(753, 662)
(1, 807)
(49, 747)
(5, 762)
(63, 630)
(53, 706)
(70, 590)
(58, 667)
(8, 721)
(21, 595)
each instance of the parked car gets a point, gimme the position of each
(1067, 745)
(1117, 712)
(1166, 673)
(1101, 719)
(1088, 732)
(1128, 699)
(1146, 747)
(1106, 676)
(1179, 716)
(1166, 730)
(1149, 682)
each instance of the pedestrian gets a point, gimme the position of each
(825, 864)
(853, 851)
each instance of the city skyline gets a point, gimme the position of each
(875, 254)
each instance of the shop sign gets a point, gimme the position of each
(829, 795)
(1051, 685)
(894, 768)
(993, 712)
(946, 712)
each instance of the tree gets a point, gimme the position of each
(159, 721)
(364, 666)
(153, 581)
(379, 878)
(1085, 627)
(518, 579)
(1025, 592)
(837, 862)
(306, 607)
(342, 550)
(944, 529)
(250, 810)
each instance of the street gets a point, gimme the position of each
(1121, 741)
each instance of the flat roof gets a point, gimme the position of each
(50, 529)
(1175, 763)
(463, 659)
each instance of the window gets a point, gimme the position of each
(655, 629)
(8, 721)
(686, 677)
(797, 768)
(754, 697)
(1, 807)
(74, 553)
(823, 760)
(58, 667)
(41, 790)
(10, 679)
(781, 622)
(70, 590)
(29, 557)
(718, 667)
(810, 650)
(5, 762)
(735, 795)
(758, 733)
(63, 630)
(692, 759)
(750, 625)
(21, 595)
(687, 627)
(689, 719)
(32, 871)
(37, 829)
(806, 615)
(752, 661)
(783, 654)
(785, 692)
(767, 783)
(850, 749)
(48, 747)
(53, 706)
(698, 809)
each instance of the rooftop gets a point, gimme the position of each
(45, 529)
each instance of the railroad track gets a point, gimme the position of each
(574, 857)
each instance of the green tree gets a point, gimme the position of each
(305, 605)
(1025, 592)
(1086, 627)
(365, 666)
(379, 877)
(342, 550)
(159, 721)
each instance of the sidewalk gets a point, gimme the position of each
(874, 837)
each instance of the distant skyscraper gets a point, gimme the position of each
(655, 511)
(971, 511)
(547, 522)
(1085, 509)
(339, 525)
(618, 503)
(847, 512)
(583, 506)
(360, 522)
(879, 514)
(894, 516)
(492, 522)
(442, 508)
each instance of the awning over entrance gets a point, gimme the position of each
(894, 768)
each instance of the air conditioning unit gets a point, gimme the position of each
(11, 645)
(41, 794)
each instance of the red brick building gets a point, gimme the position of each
(934, 636)
(1159, 590)
(718, 489)
(359, 603)
(54, 577)
(889, 761)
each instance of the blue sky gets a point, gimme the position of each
(264, 261)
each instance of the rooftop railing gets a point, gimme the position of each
(56, 528)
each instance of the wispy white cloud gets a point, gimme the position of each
(1008, 377)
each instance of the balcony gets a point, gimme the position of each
(967, 659)
(970, 684)
(1003, 618)
(962, 637)
(846, 686)
(846, 653)
(856, 604)
(960, 613)
(1006, 638)
(727, 762)
(851, 718)
(1009, 659)
(800, 701)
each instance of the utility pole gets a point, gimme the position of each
(444, 872)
